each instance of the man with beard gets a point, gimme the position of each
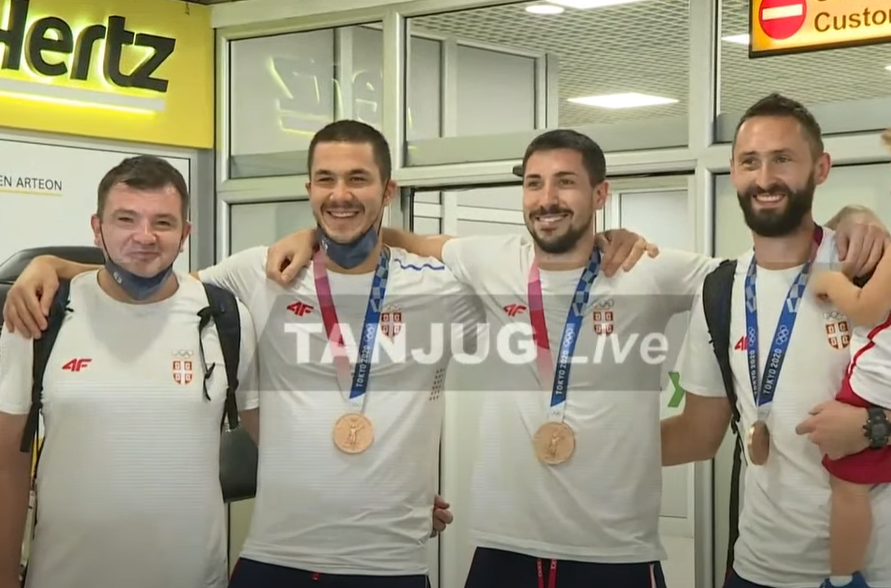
(549, 500)
(778, 326)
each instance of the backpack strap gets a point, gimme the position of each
(43, 348)
(717, 305)
(223, 311)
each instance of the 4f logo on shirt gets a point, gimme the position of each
(182, 367)
(391, 321)
(76, 365)
(741, 345)
(513, 310)
(300, 308)
(838, 331)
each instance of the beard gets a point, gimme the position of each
(780, 221)
(557, 244)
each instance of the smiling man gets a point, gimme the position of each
(128, 483)
(781, 367)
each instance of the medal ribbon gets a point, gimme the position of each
(552, 574)
(360, 376)
(768, 382)
(544, 361)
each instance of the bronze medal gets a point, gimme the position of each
(554, 443)
(759, 443)
(353, 433)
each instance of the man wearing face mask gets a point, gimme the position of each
(128, 487)
(549, 505)
(786, 354)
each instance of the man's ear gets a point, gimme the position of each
(390, 191)
(96, 225)
(601, 193)
(187, 231)
(824, 164)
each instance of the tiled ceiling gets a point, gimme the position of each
(643, 47)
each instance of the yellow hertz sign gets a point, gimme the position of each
(135, 70)
(797, 26)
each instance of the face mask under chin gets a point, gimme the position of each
(137, 287)
(352, 254)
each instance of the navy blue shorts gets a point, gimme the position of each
(253, 574)
(492, 568)
(734, 581)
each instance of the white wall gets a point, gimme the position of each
(48, 194)
(284, 88)
(865, 185)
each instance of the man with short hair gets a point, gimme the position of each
(128, 487)
(550, 505)
(785, 369)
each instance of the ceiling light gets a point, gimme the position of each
(628, 100)
(544, 9)
(738, 39)
(586, 4)
(888, 67)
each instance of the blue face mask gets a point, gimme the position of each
(136, 287)
(349, 255)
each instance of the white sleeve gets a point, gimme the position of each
(240, 274)
(16, 363)
(248, 394)
(679, 276)
(698, 369)
(472, 259)
(469, 317)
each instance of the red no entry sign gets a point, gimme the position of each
(780, 19)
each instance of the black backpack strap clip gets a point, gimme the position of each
(43, 348)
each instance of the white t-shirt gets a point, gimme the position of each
(784, 524)
(603, 504)
(870, 347)
(317, 508)
(128, 487)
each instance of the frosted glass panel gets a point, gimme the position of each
(264, 224)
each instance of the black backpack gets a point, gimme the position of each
(717, 293)
(238, 452)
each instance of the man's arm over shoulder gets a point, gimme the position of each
(423, 245)
(240, 273)
(697, 433)
(474, 259)
(16, 359)
(248, 394)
